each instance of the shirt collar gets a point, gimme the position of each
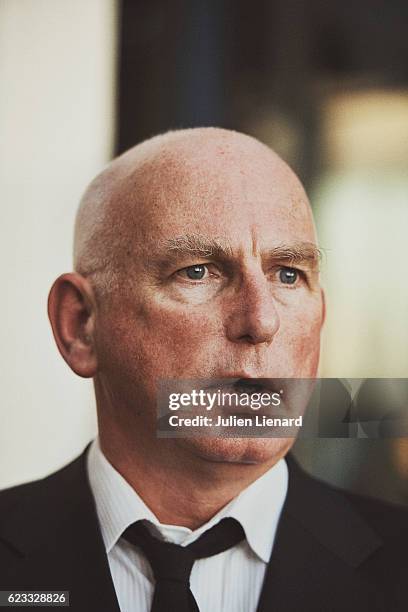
(257, 508)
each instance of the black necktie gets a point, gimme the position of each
(172, 564)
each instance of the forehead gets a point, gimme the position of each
(246, 198)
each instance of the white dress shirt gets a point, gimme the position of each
(228, 582)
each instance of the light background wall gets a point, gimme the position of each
(57, 69)
(361, 210)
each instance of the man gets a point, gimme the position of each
(195, 257)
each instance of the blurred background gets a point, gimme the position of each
(325, 83)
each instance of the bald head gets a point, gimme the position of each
(199, 246)
(192, 170)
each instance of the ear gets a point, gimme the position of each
(323, 297)
(72, 312)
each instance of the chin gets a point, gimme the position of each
(238, 450)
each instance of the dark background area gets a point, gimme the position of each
(218, 62)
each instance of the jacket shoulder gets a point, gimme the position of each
(15, 493)
(378, 513)
(386, 518)
(50, 487)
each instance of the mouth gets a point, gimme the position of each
(243, 384)
(247, 393)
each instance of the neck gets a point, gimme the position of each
(179, 487)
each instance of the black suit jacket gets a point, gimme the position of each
(333, 551)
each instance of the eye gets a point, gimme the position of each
(197, 272)
(288, 276)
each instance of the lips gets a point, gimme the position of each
(244, 384)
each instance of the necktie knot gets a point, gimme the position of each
(168, 561)
(172, 564)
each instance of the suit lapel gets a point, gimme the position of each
(320, 546)
(55, 543)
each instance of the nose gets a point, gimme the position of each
(253, 318)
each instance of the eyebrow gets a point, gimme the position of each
(197, 245)
(297, 253)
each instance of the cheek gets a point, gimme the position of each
(181, 329)
(168, 342)
(299, 338)
(156, 340)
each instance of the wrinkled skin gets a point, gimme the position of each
(239, 320)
